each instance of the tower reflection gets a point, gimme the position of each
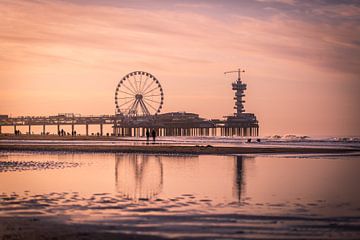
(239, 180)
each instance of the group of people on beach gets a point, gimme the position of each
(153, 135)
(63, 133)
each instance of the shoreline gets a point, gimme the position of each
(170, 149)
(16, 144)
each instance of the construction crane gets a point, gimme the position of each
(239, 89)
(239, 71)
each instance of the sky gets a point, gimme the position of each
(301, 58)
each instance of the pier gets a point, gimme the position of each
(139, 98)
(167, 124)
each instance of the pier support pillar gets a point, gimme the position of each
(0, 130)
(72, 129)
(44, 129)
(87, 129)
(115, 128)
(101, 129)
(29, 129)
(58, 128)
(14, 129)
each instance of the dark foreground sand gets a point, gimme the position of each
(34, 228)
(251, 227)
(67, 215)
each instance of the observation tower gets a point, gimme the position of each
(239, 88)
(241, 119)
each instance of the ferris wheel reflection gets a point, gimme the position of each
(138, 176)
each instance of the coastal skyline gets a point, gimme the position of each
(301, 58)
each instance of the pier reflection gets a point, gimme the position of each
(161, 176)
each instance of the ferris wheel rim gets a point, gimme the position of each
(138, 94)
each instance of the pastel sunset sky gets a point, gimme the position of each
(302, 58)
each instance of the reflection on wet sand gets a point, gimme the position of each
(239, 180)
(139, 176)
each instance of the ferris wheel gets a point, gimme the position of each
(139, 94)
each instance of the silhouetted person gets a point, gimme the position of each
(147, 135)
(153, 134)
(249, 140)
(258, 140)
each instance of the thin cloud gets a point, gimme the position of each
(45, 27)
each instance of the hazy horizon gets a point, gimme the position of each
(301, 58)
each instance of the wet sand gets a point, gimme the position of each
(68, 216)
(65, 212)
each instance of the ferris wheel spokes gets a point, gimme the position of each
(137, 95)
(131, 90)
(142, 89)
(150, 105)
